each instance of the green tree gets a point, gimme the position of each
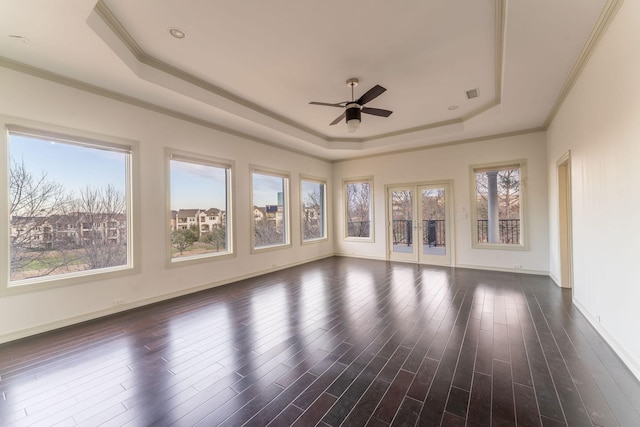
(216, 237)
(183, 239)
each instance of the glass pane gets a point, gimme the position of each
(198, 209)
(67, 206)
(402, 220)
(434, 215)
(269, 210)
(358, 209)
(498, 206)
(313, 210)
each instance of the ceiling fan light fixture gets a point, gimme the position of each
(354, 108)
(353, 117)
(353, 125)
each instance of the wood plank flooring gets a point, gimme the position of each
(334, 342)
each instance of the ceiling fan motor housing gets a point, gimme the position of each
(352, 111)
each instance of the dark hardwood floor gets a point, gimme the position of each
(335, 342)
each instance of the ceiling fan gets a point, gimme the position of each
(353, 108)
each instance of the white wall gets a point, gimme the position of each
(31, 98)
(452, 163)
(600, 123)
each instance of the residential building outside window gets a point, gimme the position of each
(70, 209)
(358, 208)
(200, 208)
(314, 220)
(498, 205)
(270, 196)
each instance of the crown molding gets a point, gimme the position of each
(112, 22)
(132, 45)
(446, 144)
(408, 131)
(600, 28)
(606, 17)
(97, 90)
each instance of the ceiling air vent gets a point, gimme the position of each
(473, 93)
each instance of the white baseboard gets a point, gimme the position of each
(506, 270)
(467, 266)
(351, 255)
(619, 349)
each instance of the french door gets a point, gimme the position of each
(419, 227)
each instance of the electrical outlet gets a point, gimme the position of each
(517, 266)
(118, 301)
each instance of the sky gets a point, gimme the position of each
(193, 186)
(266, 189)
(310, 192)
(68, 164)
(197, 186)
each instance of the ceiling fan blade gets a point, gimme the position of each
(339, 105)
(377, 111)
(373, 93)
(338, 119)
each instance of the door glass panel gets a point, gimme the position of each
(402, 220)
(434, 240)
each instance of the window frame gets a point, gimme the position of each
(325, 220)
(201, 159)
(358, 180)
(261, 170)
(521, 165)
(69, 136)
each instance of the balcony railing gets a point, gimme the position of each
(509, 231)
(433, 232)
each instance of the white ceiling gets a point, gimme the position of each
(251, 67)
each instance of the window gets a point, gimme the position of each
(359, 212)
(70, 211)
(270, 195)
(497, 205)
(313, 197)
(199, 196)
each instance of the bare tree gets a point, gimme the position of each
(402, 205)
(433, 204)
(312, 221)
(358, 205)
(102, 226)
(266, 232)
(33, 202)
(508, 181)
(509, 193)
(53, 232)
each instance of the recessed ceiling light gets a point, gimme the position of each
(18, 38)
(177, 33)
(453, 107)
(473, 93)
